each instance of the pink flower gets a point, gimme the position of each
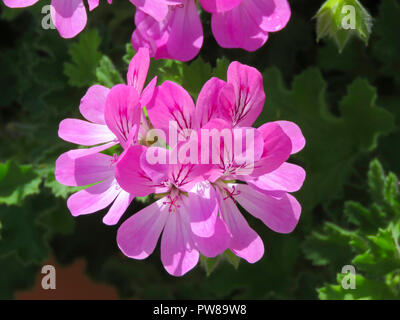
(265, 192)
(266, 178)
(197, 213)
(172, 29)
(248, 24)
(114, 116)
(69, 16)
(173, 32)
(239, 101)
(187, 215)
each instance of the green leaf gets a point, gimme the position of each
(210, 264)
(106, 73)
(366, 289)
(364, 218)
(195, 75)
(373, 248)
(22, 235)
(129, 53)
(232, 258)
(330, 246)
(85, 57)
(59, 190)
(333, 142)
(384, 254)
(15, 276)
(376, 181)
(56, 219)
(17, 182)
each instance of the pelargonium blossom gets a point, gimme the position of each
(265, 187)
(186, 215)
(114, 117)
(196, 211)
(172, 29)
(68, 16)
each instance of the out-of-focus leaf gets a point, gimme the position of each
(22, 235)
(233, 259)
(106, 73)
(372, 249)
(15, 276)
(332, 142)
(330, 246)
(85, 57)
(17, 182)
(366, 289)
(209, 264)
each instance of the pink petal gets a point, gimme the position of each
(278, 210)
(93, 104)
(138, 68)
(94, 198)
(171, 102)
(148, 92)
(122, 112)
(69, 16)
(178, 252)
(82, 167)
(277, 149)
(271, 15)
(137, 236)
(248, 87)
(207, 105)
(186, 35)
(151, 34)
(245, 242)
(293, 131)
(202, 205)
(118, 208)
(130, 175)
(217, 243)
(19, 3)
(158, 9)
(236, 29)
(84, 133)
(288, 177)
(93, 4)
(219, 5)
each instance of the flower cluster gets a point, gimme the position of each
(68, 16)
(172, 29)
(191, 157)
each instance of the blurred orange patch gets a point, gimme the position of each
(72, 283)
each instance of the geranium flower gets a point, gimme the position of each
(177, 33)
(248, 24)
(81, 167)
(266, 180)
(172, 29)
(68, 16)
(263, 190)
(186, 215)
(114, 117)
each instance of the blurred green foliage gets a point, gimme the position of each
(347, 104)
